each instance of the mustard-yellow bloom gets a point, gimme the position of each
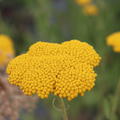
(65, 70)
(6, 49)
(114, 41)
(83, 2)
(91, 10)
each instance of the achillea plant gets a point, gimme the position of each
(6, 49)
(88, 7)
(66, 70)
(83, 2)
(114, 41)
(90, 10)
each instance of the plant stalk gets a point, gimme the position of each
(116, 100)
(65, 116)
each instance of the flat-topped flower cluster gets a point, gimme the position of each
(114, 41)
(65, 70)
(6, 49)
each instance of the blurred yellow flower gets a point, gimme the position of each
(6, 49)
(66, 69)
(90, 10)
(83, 2)
(114, 41)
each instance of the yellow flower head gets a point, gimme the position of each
(6, 49)
(65, 69)
(90, 10)
(83, 2)
(114, 41)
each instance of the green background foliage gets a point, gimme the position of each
(29, 21)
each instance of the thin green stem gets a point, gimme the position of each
(65, 116)
(116, 101)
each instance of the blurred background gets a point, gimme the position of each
(29, 21)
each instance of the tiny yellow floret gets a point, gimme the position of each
(65, 70)
(91, 10)
(114, 41)
(6, 49)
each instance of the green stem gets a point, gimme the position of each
(65, 116)
(116, 101)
